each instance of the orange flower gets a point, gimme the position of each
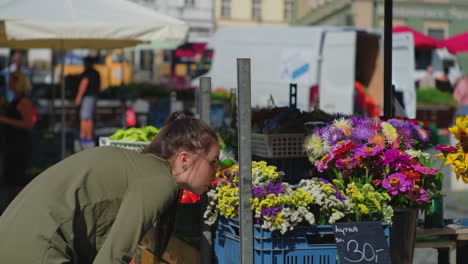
(378, 140)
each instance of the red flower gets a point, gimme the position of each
(412, 175)
(342, 148)
(376, 182)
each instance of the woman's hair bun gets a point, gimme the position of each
(176, 116)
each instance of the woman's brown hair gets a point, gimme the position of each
(180, 133)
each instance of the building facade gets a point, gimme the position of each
(253, 12)
(199, 14)
(437, 18)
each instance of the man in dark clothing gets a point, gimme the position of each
(87, 96)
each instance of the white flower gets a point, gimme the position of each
(335, 217)
(418, 153)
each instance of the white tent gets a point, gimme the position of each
(93, 24)
(70, 24)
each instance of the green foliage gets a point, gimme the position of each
(433, 96)
(135, 134)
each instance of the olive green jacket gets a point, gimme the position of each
(93, 207)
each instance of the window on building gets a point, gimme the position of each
(437, 33)
(257, 9)
(189, 3)
(225, 8)
(288, 10)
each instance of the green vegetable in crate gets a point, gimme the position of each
(135, 134)
(118, 135)
(150, 132)
(228, 162)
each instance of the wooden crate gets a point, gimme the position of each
(441, 116)
(177, 252)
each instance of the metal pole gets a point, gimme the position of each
(245, 159)
(388, 89)
(206, 241)
(205, 99)
(62, 94)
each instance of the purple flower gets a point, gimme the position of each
(395, 159)
(424, 170)
(397, 122)
(396, 183)
(270, 212)
(417, 194)
(366, 151)
(445, 148)
(258, 192)
(275, 188)
(334, 136)
(363, 133)
(270, 188)
(421, 133)
(357, 120)
(324, 181)
(324, 130)
(337, 192)
(405, 130)
(347, 163)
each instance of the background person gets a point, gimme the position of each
(428, 80)
(96, 205)
(461, 96)
(443, 83)
(18, 122)
(90, 84)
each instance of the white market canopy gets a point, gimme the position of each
(93, 24)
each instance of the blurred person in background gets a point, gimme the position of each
(86, 98)
(18, 123)
(428, 80)
(443, 83)
(461, 96)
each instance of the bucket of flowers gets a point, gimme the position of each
(457, 156)
(290, 220)
(362, 153)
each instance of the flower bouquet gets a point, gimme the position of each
(372, 154)
(277, 205)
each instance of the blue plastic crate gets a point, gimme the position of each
(303, 245)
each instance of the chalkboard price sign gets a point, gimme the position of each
(361, 242)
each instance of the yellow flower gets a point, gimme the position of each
(451, 158)
(460, 127)
(344, 125)
(279, 219)
(394, 181)
(389, 131)
(313, 145)
(363, 208)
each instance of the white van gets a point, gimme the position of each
(329, 58)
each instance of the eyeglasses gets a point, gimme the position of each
(216, 164)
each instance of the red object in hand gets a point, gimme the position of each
(189, 197)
